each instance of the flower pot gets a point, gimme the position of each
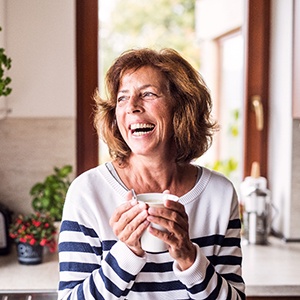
(29, 255)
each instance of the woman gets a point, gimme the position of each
(156, 121)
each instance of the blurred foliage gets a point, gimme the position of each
(226, 166)
(234, 125)
(155, 24)
(5, 64)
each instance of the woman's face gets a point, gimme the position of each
(144, 112)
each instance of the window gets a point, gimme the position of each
(256, 36)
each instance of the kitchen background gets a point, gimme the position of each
(39, 131)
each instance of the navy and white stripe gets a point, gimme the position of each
(95, 265)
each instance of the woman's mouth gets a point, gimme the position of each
(139, 129)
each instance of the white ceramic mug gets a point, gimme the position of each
(149, 242)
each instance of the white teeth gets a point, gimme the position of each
(138, 129)
(140, 125)
(138, 133)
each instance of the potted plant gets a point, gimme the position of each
(49, 196)
(32, 233)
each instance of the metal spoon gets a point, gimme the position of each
(134, 196)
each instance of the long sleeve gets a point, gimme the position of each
(84, 275)
(217, 276)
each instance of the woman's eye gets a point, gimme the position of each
(149, 95)
(121, 98)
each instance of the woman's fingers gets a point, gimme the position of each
(176, 229)
(172, 212)
(127, 205)
(174, 218)
(129, 221)
(133, 230)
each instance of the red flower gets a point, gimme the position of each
(34, 229)
(32, 242)
(43, 242)
(28, 236)
(36, 223)
(12, 235)
(23, 240)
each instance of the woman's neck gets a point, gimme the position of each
(147, 176)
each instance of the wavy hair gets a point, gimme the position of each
(192, 123)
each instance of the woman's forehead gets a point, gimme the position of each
(146, 75)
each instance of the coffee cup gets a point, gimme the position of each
(149, 242)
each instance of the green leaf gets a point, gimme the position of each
(45, 202)
(37, 188)
(49, 196)
(36, 203)
(5, 64)
(65, 171)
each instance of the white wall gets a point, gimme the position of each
(40, 39)
(39, 133)
(220, 17)
(281, 157)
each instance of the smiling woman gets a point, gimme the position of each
(143, 111)
(156, 121)
(173, 83)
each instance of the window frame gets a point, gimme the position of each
(257, 43)
(87, 82)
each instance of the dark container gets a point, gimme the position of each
(5, 220)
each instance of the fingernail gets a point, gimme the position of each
(150, 210)
(146, 222)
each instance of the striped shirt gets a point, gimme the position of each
(94, 264)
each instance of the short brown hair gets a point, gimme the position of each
(192, 123)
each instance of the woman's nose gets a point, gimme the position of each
(134, 104)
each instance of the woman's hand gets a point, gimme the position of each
(174, 218)
(129, 221)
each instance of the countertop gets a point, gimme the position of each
(271, 270)
(41, 277)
